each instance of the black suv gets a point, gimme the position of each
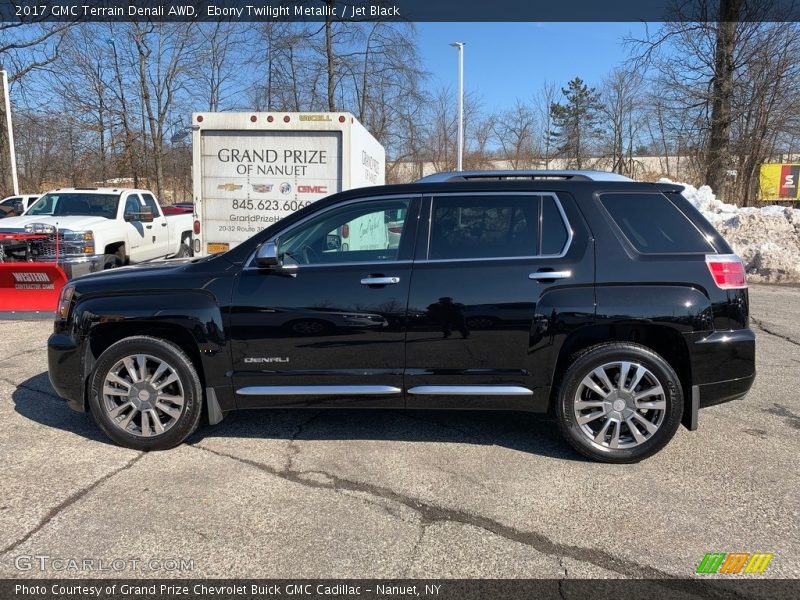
(612, 303)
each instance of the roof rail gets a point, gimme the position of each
(573, 175)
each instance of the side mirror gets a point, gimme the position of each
(141, 217)
(267, 256)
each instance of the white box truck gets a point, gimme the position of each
(252, 169)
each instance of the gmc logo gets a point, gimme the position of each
(312, 189)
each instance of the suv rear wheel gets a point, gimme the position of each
(619, 402)
(145, 394)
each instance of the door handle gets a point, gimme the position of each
(545, 275)
(163, 224)
(380, 280)
(148, 226)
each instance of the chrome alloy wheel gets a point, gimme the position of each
(143, 395)
(620, 405)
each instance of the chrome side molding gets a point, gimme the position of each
(470, 390)
(318, 390)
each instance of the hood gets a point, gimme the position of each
(140, 269)
(76, 223)
(158, 274)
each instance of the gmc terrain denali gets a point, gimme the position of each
(612, 303)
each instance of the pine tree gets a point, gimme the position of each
(575, 121)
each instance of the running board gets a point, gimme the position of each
(318, 390)
(470, 390)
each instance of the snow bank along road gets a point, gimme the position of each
(352, 494)
(766, 237)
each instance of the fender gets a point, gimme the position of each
(664, 317)
(191, 318)
(574, 318)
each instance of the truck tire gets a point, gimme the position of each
(619, 402)
(112, 261)
(145, 394)
(185, 249)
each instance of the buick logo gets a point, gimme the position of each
(285, 188)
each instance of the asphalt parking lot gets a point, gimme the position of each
(393, 494)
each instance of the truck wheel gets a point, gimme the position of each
(185, 251)
(112, 261)
(145, 394)
(619, 403)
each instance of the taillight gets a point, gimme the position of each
(197, 227)
(397, 230)
(345, 231)
(727, 271)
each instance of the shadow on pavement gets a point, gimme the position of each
(36, 400)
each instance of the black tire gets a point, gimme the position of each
(605, 355)
(185, 250)
(112, 261)
(179, 427)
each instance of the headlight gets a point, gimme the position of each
(64, 300)
(77, 242)
(39, 228)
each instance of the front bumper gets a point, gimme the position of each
(75, 266)
(65, 369)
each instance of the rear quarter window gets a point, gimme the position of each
(653, 224)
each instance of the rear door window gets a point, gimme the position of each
(653, 224)
(554, 231)
(464, 227)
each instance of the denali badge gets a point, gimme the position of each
(268, 359)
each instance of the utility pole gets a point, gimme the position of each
(460, 46)
(8, 156)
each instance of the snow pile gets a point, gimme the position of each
(767, 238)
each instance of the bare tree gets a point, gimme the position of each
(219, 45)
(543, 101)
(620, 107)
(24, 49)
(514, 131)
(164, 52)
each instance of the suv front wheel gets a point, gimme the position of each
(145, 394)
(619, 402)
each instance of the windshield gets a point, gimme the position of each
(76, 204)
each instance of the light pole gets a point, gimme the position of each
(460, 46)
(12, 155)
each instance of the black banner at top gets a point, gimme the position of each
(32, 11)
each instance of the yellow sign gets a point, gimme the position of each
(779, 181)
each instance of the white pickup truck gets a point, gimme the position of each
(98, 228)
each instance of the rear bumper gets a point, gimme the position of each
(65, 368)
(724, 391)
(720, 358)
(723, 369)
